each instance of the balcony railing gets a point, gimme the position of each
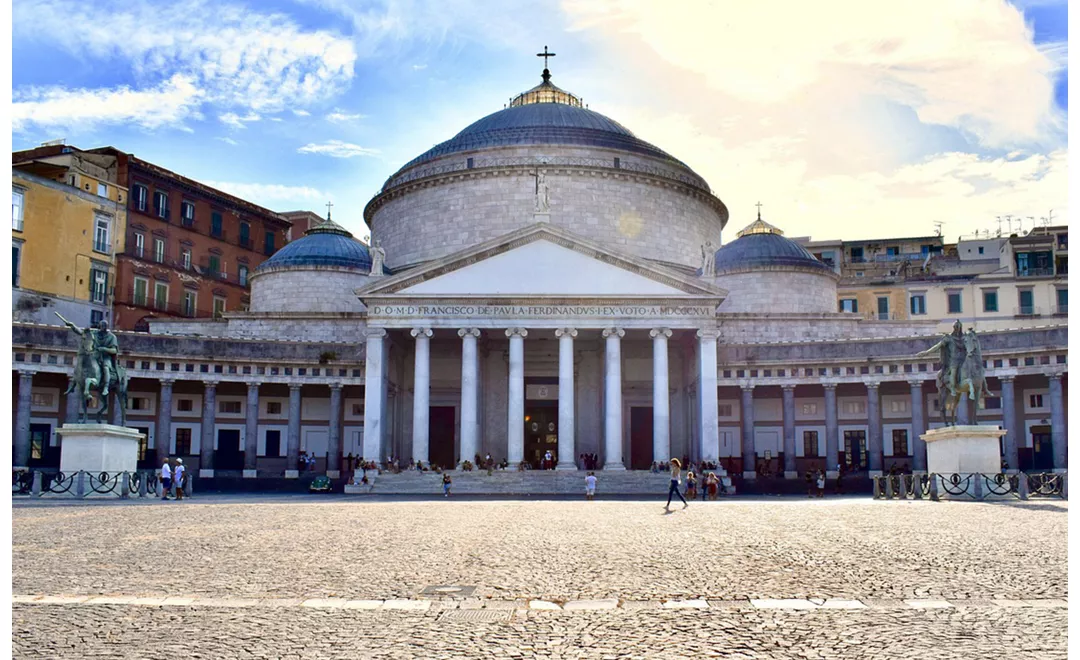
(146, 301)
(1028, 310)
(102, 246)
(1047, 271)
(1061, 309)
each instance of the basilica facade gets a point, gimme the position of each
(545, 281)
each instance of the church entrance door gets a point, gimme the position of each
(541, 434)
(229, 455)
(441, 437)
(641, 433)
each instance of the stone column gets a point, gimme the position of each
(1057, 422)
(918, 427)
(789, 432)
(875, 448)
(708, 417)
(515, 403)
(206, 442)
(1008, 420)
(163, 433)
(22, 420)
(832, 432)
(292, 442)
(661, 401)
(613, 427)
(374, 398)
(748, 453)
(333, 457)
(470, 380)
(421, 395)
(251, 431)
(566, 399)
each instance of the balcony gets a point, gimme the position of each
(1047, 271)
(1028, 310)
(102, 247)
(145, 300)
(1061, 310)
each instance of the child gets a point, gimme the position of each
(820, 484)
(590, 486)
(446, 484)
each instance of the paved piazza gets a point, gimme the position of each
(292, 578)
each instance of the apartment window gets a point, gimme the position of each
(899, 442)
(854, 407)
(358, 409)
(809, 408)
(1027, 301)
(1063, 301)
(161, 295)
(273, 407)
(189, 303)
(215, 265)
(273, 443)
(242, 274)
(138, 403)
(101, 234)
(215, 224)
(219, 306)
(161, 205)
(849, 305)
(898, 406)
(140, 245)
(990, 301)
(41, 399)
(955, 306)
(187, 213)
(183, 442)
(883, 308)
(139, 197)
(229, 407)
(723, 410)
(1063, 241)
(139, 292)
(857, 255)
(159, 250)
(245, 234)
(99, 282)
(18, 198)
(102, 190)
(96, 316)
(1036, 401)
(185, 405)
(982, 250)
(16, 254)
(269, 242)
(918, 304)
(185, 258)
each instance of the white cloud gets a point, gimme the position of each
(340, 116)
(301, 113)
(419, 67)
(236, 121)
(270, 195)
(228, 140)
(238, 59)
(337, 149)
(166, 104)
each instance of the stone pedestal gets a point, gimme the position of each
(98, 448)
(963, 450)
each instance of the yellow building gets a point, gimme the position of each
(68, 221)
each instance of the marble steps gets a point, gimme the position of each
(549, 482)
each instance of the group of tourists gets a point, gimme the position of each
(590, 461)
(711, 485)
(307, 462)
(173, 475)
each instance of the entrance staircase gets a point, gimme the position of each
(513, 483)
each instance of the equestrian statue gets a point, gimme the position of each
(97, 370)
(962, 373)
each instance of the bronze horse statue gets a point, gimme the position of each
(88, 378)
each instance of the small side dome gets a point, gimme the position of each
(326, 244)
(763, 246)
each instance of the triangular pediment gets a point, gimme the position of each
(537, 262)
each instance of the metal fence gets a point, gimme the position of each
(973, 486)
(81, 484)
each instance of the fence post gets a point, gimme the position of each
(1065, 486)
(35, 487)
(80, 484)
(1023, 485)
(977, 489)
(933, 487)
(888, 487)
(125, 486)
(877, 488)
(142, 484)
(189, 480)
(159, 489)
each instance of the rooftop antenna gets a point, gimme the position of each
(999, 226)
(1008, 218)
(937, 227)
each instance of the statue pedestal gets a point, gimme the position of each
(963, 450)
(98, 448)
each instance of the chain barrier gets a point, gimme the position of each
(973, 485)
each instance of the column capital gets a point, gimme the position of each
(1054, 376)
(747, 387)
(422, 330)
(295, 387)
(375, 333)
(660, 332)
(26, 373)
(516, 332)
(211, 384)
(1007, 378)
(788, 387)
(470, 332)
(336, 386)
(829, 387)
(872, 384)
(708, 334)
(567, 332)
(916, 383)
(252, 384)
(613, 332)
(167, 381)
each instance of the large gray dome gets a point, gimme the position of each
(763, 246)
(326, 244)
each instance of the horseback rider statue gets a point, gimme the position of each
(97, 369)
(961, 374)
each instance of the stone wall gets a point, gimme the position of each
(317, 289)
(628, 212)
(738, 328)
(344, 327)
(793, 291)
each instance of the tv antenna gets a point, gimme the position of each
(937, 227)
(999, 226)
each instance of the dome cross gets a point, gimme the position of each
(545, 55)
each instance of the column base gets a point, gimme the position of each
(206, 473)
(292, 474)
(749, 474)
(614, 467)
(565, 467)
(333, 474)
(875, 473)
(250, 474)
(791, 474)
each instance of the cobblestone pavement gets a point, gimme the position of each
(880, 553)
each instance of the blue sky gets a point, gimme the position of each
(874, 125)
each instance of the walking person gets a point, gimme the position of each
(676, 477)
(178, 478)
(446, 484)
(166, 479)
(590, 486)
